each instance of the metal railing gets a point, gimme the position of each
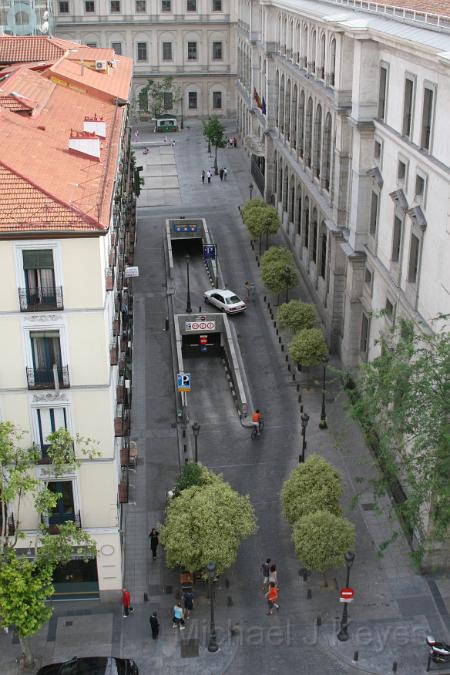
(40, 299)
(429, 19)
(48, 378)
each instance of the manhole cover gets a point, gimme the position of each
(368, 507)
(168, 589)
(189, 648)
(68, 623)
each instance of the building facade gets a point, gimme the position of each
(67, 218)
(192, 41)
(345, 114)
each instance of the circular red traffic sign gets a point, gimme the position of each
(347, 593)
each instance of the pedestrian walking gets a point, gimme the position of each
(177, 613)
(188, 600)
(272, 597)
(154, 541)
(273, 575)
(265, 567)
(154, 625)
(221, 174)
(203, 176)
(208, 175)
(225, 172)
(173, 144)
(126, 602)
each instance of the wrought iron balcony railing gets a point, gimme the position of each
(48, 378)
(41, 299)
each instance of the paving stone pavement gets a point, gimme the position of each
(394, 606)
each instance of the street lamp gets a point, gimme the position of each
(323, 415)
(343, 633)
(305, 420)
(250, 189)
(188, 295)
(212, 642)
(287, 276)
(209, 147)
(196, 431)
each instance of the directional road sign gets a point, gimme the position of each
(209, 251)
(184, 382)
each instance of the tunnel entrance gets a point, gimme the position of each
(196, 344)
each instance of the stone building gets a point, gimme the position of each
(345, 114)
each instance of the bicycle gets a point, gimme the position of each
(254, 435)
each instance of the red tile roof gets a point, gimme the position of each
(29, 89)
(32, 48)
(432, 6)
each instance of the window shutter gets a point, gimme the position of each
(35, 260)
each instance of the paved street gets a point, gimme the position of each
(394, 607)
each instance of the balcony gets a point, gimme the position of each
(41, 299)
(114, 352)
(52, 521)
(48, 378)
(109, 278)
(122, 421)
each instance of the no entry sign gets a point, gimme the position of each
(347, 595)
(200, 325)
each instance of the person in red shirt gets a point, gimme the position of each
(126, 602)
(272, 597)
(256, 419)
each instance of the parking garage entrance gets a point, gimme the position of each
(201, 344)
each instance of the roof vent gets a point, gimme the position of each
(85, 143)
(95, 125)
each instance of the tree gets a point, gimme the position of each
(321, 539)
(402, 402)
(308, 347)
(296, 315)
(278, 276)
(25, 584)
(215, 133)
(277, 254)
(249, 205)
(262, 220)
(193, 474)
(312, 486)
(155, 91)
(206, 523)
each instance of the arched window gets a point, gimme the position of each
(314, 236)
(281, 123)
(323, 250)
(275, 174)
(308, 132)
(280, 183)
(277, 109)
(306, 223)
(321, 71)
(332, 62)
(291, 40)
(317, 140)
(301, 124)
(285, 192)
(304, 58)
(279, 32)
(296, 56)
(285, 36)
(299, 213)
(327, 152)
(292, 201)
(313, 52)
(287, 110)
(294, 118)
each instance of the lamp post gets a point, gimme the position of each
(188, 290)
(212, 642)
(343, 633)
(196, 431)
(323, 415)
(209, 147)
(250, 189)
(305, 420)
(182, 116)
(287, 276)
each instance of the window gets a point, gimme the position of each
(63, 7)
(373, 222)
(382, 93)
(314, 241)
(217, 51)
(49, 420)
(166, 6)
(143, 100)
(368, 276)
(401, 171)
(323, 255)
(92, 45)
(115, 6)
(396, 239)
(46, 353)
(407, 107)
(141, 7)
(191, 6)
(413, 259)
(420, 187)
(365, 330)
(64, 510)
(142, 51)
(217, 100)
(427, 118)
(192, 51)
(377, 150)
(89, 6)
(117, 46)
(167, 51)
(216, 5)
(168, 100)
(40, 291)
(389, 309)
(192, 100)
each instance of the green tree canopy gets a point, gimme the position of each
(278, 277)
(277, 254)
(194, 474)
(206, 523)
(262, 220)
(154, 92)
(215, 133)
(402, 401)
(308, 347)
(321, 539)
(296, 315)
(312, 486)
(250, 205)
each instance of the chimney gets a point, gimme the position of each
(85, 143)
(95, 125)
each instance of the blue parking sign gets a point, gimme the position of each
(184, 382)
(209, 251)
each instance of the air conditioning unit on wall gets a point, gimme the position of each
(101, 65)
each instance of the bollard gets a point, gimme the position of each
(145, 597)
(355, 656)
(279, 340)
(268, 305)
(257, 262)
(199, 309)
(289, 367)
(287, 357)
(184, 432)
(265, 298)
(305, 575)
(167, 324)
(252, 244)
(319, 621)
(274, 324)
(185, 448)
(186, 461)
(282, 348)
(293, 377)
(276, 332)
(394, 667)
(309, 594)
(298, 388)
(300, 398)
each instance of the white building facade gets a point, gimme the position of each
(345, 115)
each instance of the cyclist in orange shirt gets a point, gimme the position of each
(256, 419)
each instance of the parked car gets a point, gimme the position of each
(225, 300)
(91, 665)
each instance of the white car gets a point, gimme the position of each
(225, 300)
